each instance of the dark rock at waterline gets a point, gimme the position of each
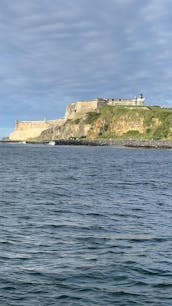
(126, 143)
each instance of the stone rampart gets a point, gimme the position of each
(31, 129)
(81, 108)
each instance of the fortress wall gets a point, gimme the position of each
(23, 135)
(31, 129)
(133, 102)
(22, 125)
(80, 108)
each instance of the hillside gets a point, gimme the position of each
(116, 122)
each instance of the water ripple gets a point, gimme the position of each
(85, 226)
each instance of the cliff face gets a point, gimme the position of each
(116, 123)
(71, 130)
(132, 123)
(66, 131)
(118, 127)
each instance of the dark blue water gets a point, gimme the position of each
(85, 226)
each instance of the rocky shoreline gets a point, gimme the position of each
(157, 144)
(125, 143)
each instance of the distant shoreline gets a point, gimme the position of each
(156, 144)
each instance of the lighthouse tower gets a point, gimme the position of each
(140, 99)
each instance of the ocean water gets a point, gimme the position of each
(85, 226)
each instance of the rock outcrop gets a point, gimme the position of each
(66, 131)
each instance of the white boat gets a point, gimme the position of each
(52, 143)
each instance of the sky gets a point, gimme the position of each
(55, 52)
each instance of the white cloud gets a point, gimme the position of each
(53, 52)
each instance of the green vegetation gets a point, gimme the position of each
(107, 135)
(154, 122)
(162, 130)
(132, 134)
(76, 121)
(92, 117)
(110, 113)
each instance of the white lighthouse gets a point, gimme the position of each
(140, 99)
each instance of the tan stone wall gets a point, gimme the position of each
(133, 102)
(81, 108)
(25, 130)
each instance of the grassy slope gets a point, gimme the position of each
(157, 121)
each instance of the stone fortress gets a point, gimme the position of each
(31, 129)
(80, 108)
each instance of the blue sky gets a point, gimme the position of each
(54, 52)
